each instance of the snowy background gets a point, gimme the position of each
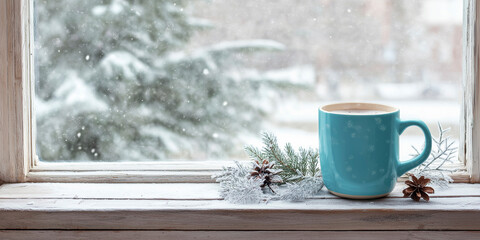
(159, 80)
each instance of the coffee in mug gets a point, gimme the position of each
(358, 112)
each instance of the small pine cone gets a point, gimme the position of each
(264, 170)
(417, 188)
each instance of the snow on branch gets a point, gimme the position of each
(245, 45)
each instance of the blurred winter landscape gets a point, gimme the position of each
(121, 80)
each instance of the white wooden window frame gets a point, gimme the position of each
(469, 151)
(18, 161)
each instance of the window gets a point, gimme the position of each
(152, 81)
(111, 84)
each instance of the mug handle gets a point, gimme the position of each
(405, 166)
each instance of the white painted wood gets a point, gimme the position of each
(331, 206)
(30, 134)
(122, 176)
(469, 145)
(200, 165)
(458, 177)
(4, 76)
(197, 207)
(148, 172)
(187, 207)
(318, 214)
(170, 191)
(151, 176)
(222, 235)
(466, 72)
(15, 95)
(473, 166)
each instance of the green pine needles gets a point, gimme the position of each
(298, 172)
(296, 165)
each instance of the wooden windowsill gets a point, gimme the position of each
(154, 172)
(198, 206)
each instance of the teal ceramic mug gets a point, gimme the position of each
(359, 148)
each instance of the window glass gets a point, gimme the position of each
(121, 80)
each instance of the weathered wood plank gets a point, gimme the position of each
(4, 131)
(466, 76)
(201, 165)
(222, 235)
(474, 164)
(321, 214)
(13, 166)
(458, 177)
(145, 172)
(471, 87)
(122, 177)
(28, 81)
(173, 191)
(330, 205)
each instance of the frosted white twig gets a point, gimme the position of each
(299, 191)
(443, 151)
(237, 187)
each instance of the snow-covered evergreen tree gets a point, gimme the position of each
(115, 83)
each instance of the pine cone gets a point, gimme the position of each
(418, 189)
(266, 173)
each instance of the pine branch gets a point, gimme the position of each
(314, 162)
(254, 153)
(299, 170)
(296, 165)
(274, 153)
